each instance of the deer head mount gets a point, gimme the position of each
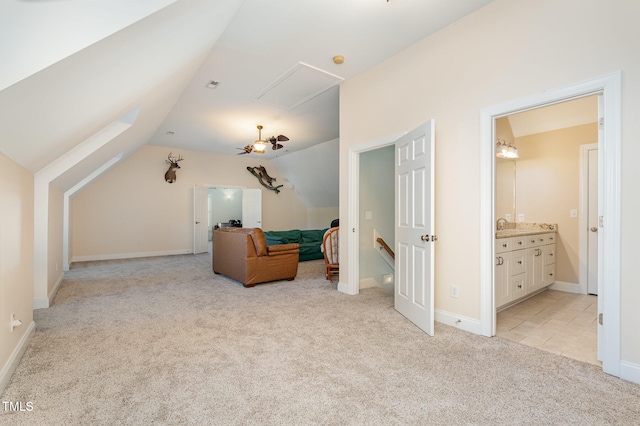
(172, 161)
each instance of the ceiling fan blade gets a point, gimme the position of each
(282, 138)
(277, 146)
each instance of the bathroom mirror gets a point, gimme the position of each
(506, 173)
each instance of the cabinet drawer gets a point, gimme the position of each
(550, 257)
(518, 243)
(503, 244)
(535, 240)
(518, 262)
(549, 274)
(516, 282)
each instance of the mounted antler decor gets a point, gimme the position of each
(265, 180)
(170, 176)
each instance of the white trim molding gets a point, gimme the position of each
(567, 287)
(353, 229)
(610, 86)
(116, 256)
(16, 356)
(458, 321)
(630, 372)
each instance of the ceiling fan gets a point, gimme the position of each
(260, 145)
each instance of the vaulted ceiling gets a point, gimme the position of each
(79, 67)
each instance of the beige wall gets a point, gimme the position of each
(132, 210)
(320, 218)
(548, 187)
(507, 50)
(16, 257)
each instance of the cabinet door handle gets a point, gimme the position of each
(519, 285)
(519, 262)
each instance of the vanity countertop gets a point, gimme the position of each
(523, 229)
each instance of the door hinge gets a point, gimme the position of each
(600, 318)
(601, 122)
(600, 221)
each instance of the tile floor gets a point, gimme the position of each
(554, 321)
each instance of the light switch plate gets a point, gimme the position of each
(573, 213)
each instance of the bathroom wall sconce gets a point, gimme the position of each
(504, 150)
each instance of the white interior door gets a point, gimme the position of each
(200, 219)
(251, 208)
(414, 228)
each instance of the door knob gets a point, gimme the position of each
(594, 229)
(425, 238)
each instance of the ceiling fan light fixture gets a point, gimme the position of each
(259, 146)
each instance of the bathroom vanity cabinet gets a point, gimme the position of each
(524, 265)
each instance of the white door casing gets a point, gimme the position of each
(592, 223)
(200, 219)
(414, 227)
(251, 208)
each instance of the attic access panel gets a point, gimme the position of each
(296, 86)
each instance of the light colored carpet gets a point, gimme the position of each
(165, 341)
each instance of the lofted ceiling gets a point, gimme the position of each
(280, 42)
(78, 67)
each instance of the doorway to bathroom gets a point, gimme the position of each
(608, 300)
(539, 189)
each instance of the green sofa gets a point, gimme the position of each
(309, 240)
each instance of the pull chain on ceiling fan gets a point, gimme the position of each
(260, 145)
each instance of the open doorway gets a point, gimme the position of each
(609, 257)
(539, 192)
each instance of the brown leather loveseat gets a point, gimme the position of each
(242, 254)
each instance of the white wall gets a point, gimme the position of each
(54, 241)
(505, 51)
(16, 262)
(132, 211)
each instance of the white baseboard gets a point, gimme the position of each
(346, 288)
(41, 303)
(458, 321)
(568, 287)
(14, 359)
(134, 255)
(630, 372)
(56, 286)
(368, 283)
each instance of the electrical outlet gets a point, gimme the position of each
(520, 217)
(453, 291)
(508, 217)
(573, 213)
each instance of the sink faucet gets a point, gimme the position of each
(500, 224)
